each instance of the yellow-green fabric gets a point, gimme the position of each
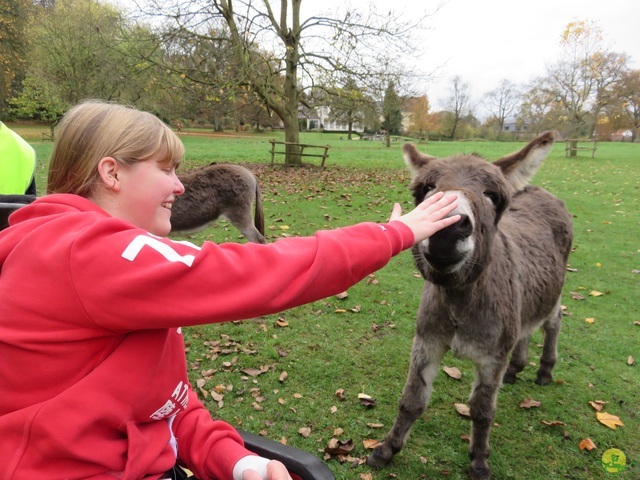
(17, 162)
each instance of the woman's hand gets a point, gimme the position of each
(275, 471)
(429, 216)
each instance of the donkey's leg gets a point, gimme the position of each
(519, 359)
(425, 360)
(482, 406)
(241, 217)
(550, 347)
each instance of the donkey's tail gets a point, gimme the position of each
(258, 219)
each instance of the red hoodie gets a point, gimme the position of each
(93, 378)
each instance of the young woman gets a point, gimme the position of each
(93, 373)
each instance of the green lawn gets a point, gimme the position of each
(361, 344)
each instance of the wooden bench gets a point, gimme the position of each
(46, 136)
(573, 146)
(302, 146)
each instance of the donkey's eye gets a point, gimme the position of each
(493, 197)
(427, 188)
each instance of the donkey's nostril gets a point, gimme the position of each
(463, 227)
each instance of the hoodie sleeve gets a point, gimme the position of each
(209, 448)
(152, 282)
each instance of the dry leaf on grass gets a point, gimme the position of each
(587, 444)
(339, 447)
(370, 444)
(462, 409)
(554, 423)
(530, 403)
(305, 432)
(597, 405)
(609, 420)
(366, 400)
(453, 372)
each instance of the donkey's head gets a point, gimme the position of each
(457, 254)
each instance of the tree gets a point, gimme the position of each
(421, 122)
(13, 46)
(627, 108)
(502, 102)
(79, 50)
(348, 104)
(321, 49)
(580, 83)
(391, 112)
(458, 103)
(38, 100)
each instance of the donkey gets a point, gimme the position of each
(492, 279)
(219, 190)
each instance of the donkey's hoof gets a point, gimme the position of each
(377, 459)
(543, 379)
(509, 378)
(480, 473)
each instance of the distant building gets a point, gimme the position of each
(320, 119)
(622, 135)
(516, 127)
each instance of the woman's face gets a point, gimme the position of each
(146, 194)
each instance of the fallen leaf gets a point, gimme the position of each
(342, 296)
(590, 320)
(465, 437)
(254, 372)
(366, 400)
(340, 394)
(609, 420)
(334, 409)
(366, 476)
(339, 447)
(587, 444)
(283, 376)
(375, 425)
(462, 409)
(340, 310)
(597, 405)
(530, 403)
(281, 322)
(337, 432)
(630, 361)
(297, 395)
(370, 444)
(305, 432)
(577, 296)
(595, 293)
(554, 423)
(453, 372)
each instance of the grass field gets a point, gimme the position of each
(361, 344)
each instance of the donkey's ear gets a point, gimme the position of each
(520, 167)
(414, 159)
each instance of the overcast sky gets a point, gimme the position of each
(486, 41)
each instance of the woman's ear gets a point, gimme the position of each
(108, 169)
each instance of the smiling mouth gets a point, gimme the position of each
(167, 205)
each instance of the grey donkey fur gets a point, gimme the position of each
(217, 190)
(491, 280)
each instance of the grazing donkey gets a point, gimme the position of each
(219, 190)
(492, 278)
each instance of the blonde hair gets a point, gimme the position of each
(93, 130)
